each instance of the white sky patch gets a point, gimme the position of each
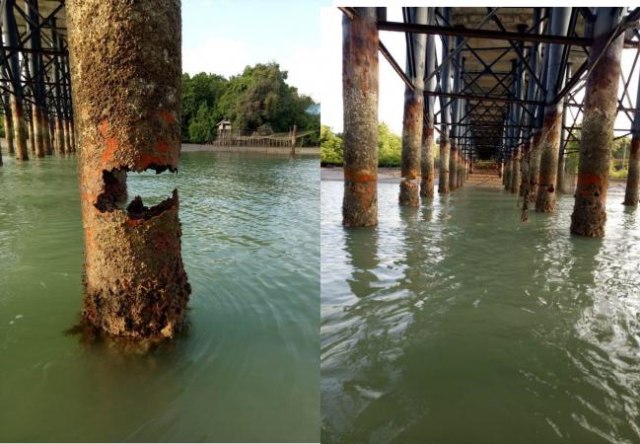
(217, 55)
(304, 70)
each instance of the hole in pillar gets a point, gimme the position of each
(119, 184)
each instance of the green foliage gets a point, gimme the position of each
(258, 98)
(331, 147)
(389, 147)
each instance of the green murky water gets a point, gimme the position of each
(248, 368)
(457, 323)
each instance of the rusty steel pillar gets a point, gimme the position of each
(412, 121)
(600, 107)
(508, 164)
(360, 105)
(561, 186)
(32, 140)
(38, 114)
(135, 283)
(426, 161)
(633, 176)
(552, 120)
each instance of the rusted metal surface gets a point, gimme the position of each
(426, 161)
(360, 105)
(534, 166)
(633, 176)
(8, 133)
(600, 102)
(524, 168)
(38, 131)
(126, 77)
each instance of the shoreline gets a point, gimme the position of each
(195, 147)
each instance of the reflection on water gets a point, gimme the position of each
(458, 323)
(248, 368)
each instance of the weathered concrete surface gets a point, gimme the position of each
(126, 75)
(534, 166)
(38, 131)
(515, 172)
(426, 161)
(443, 175)
(19, 129)
(360, 105)
(508, 168)
(633, 177)
(411, 147)
(453, 167)
(8, 134)
(59, 136)
(549, 148)
(600, 105)
(524, 169)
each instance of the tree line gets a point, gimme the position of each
(257, 101)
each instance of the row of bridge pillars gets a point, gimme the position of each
(534, 167)
(360, 99)
(37, 121)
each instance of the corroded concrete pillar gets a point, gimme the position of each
(38, 131)
(67, 136)
(552, 119)
(443, 174)
(515, 172)
(59, 135)
(600, 106)
(126, 88)
(360, 105)
(32, 139)
(412, 121)
(426, 161)
(524, 169)
(534, 166)
(633, 177)
(8, 133)
(508, 169)
(453, 165)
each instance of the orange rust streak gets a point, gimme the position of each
(167, 116)
(360, 176)
(162, 147)
(589, 179)
(112, 145)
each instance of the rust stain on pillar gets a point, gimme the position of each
(19, 129)
(8, 134)
(46, 133)
(633, 177)
(453, 165)
(549, 151)
(126, 76)
(534, 166)
(360, 99)
(426, 162)
(600, 105)
(411, 147)
(515, 172)
(524, 167)
(38, 131)
(59, 136)
(443, 179)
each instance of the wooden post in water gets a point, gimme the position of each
(600, 107)
(135, 283)
(360, 105)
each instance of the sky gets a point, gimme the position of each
(391, 87)
(224, 36)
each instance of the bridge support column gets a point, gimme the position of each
(552, 120)
(600, 107)
(508, 170)
(8, 133)
(413, 114)
(534, 166)
(453, 165)
(427, 172)
(135, 283)
(360, 104)
(443, 174)
(516, 171)
(633, 177)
